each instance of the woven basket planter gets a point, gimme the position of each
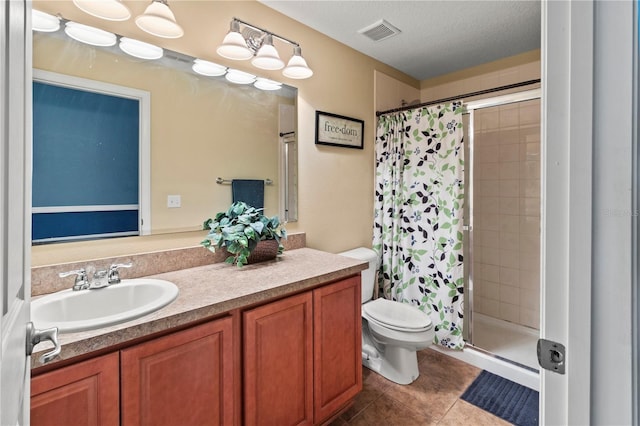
(265, 250)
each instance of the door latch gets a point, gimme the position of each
(35, 336)
(551, 355)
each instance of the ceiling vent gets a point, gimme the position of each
(380, 30)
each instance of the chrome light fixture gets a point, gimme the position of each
(44, 22)
(112, 10)
(159, 20)
(234, 46)
(267, 56)
(297, 67)
(257, 43)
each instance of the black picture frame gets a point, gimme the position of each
(338, 130)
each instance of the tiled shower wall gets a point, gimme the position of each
(506, 197)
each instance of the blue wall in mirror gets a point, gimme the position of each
(84, 140)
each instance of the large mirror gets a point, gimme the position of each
(202, 129)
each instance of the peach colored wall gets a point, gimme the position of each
(510, 70)
(391, 93)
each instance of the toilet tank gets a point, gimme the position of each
(369, 274)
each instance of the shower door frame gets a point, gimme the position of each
(469, 108)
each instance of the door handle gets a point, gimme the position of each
(35, 336)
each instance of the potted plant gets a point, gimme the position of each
(240, 229)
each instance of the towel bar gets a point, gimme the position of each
(221, 181)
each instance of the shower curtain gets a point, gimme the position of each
(419, 200)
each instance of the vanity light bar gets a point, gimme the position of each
(96, 37)
(257, 43)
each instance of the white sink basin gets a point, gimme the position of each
(73, 311)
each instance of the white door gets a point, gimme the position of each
(587, 134)
(15, 204)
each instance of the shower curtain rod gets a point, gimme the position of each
(455, 98)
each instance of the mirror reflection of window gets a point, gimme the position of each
(86, 156)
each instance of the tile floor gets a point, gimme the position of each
(433, 399)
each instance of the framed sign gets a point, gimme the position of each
(337, 130)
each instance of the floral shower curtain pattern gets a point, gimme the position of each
(419, 200)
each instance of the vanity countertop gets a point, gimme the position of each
(211, 290)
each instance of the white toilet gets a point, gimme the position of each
(392, 332)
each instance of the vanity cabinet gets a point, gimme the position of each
(185, 378)
(86, 393)
(337, 342)
(278, 362)
(302, 356)
(291, 361)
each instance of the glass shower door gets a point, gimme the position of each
(503, 245)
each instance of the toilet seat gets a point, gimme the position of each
(396, 315)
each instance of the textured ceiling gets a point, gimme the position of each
(437, 37)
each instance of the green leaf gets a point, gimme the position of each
(257, 227)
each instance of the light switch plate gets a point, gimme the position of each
(173, 201)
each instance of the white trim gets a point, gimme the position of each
(611, 269)
(144, 99)
(74, 209)
(89, 85)
(15, 204)
(635, 207)
(566, 220)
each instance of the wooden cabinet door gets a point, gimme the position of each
(278, 362)
(86, 393)
(337, 346)
(185, 378)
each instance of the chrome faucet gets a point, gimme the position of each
(114, 274)
(101, 279)
(81, 282)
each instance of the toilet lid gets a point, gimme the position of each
(397, 315)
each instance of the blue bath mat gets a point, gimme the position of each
(510, 401)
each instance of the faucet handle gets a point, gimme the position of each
(81, 282)
(114, 274)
